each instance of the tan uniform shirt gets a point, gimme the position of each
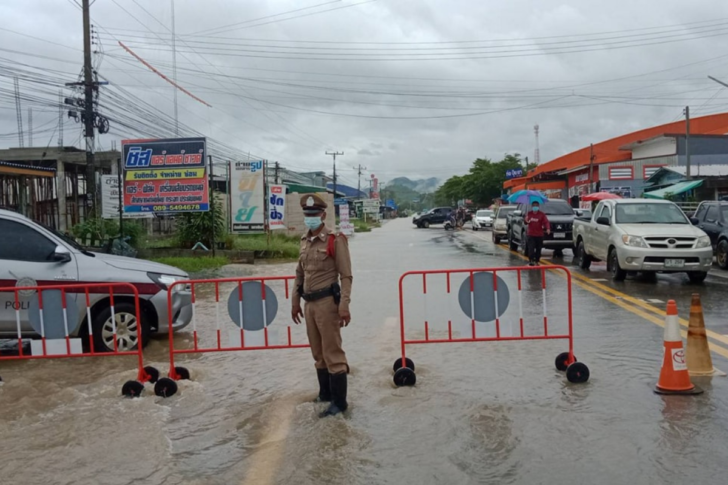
(318, 271)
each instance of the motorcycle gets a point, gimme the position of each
(450, 222)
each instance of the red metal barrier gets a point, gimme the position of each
(404, 367)
(69, 346)
(258, 305)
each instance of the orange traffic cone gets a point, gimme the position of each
(674, 378)
(697, 352)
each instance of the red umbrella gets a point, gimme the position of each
(600, 196)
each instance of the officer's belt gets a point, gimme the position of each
(319, 294)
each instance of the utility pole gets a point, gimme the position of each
(174, 70)
(358, 186)
(686, 112)
(591, 167)
(333, 154)
(88, 89)
(18, 112)
(278, 166)
(60, 118)
(30, 127)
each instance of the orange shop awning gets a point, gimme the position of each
(20, 169)
(517, 188)
(552, 185)
(512, 182)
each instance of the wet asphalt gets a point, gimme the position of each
(486, 412)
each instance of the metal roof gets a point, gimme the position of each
(674, 189)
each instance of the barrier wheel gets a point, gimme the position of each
(132, 389)
(407, 363)
(165, 387)
(562, 361)
(182, 373)
(153, 373)
(405, 377)
(577, 373)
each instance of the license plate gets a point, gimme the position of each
(559, 235)
(674, 263)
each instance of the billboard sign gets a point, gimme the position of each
(513, 173)
(110, 200)
(277, 207)
(247, 196)
(345, 225)
(166, 175)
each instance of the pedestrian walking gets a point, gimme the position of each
(323, 281)
(536, 224)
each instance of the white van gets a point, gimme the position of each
(33, 255)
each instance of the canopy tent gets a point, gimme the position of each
(674, 189)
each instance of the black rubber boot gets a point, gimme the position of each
(324, 394)
(338, 395)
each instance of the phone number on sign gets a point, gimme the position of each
(177, 207)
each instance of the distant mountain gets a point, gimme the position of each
(423, 186)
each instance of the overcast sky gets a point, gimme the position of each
(404, 87)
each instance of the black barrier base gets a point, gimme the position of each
(153, 373)
(132, 389)
(562, 361)
(407, 363)
(577, 373)
(405, 377)
(165, 387)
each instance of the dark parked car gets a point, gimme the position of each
(438, 215)
(561, 217)
(712, 218)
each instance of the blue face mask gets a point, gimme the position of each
(535, 209)
(312, 223)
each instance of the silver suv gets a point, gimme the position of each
(33, 255)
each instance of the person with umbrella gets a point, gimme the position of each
(536, 224)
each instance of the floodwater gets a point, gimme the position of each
(495, 412)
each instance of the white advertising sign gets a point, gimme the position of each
(110, 200)
(345, 225)
(370, 206)
(247, 196)
(277, 207)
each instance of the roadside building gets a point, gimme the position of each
(624, 163)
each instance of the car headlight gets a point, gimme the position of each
(634, 241)
(703, 242)
(164, 281)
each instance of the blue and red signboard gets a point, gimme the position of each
(166, 175)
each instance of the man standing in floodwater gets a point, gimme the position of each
(323, 280)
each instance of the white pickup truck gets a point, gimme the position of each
(644, 235)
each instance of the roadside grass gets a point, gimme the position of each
(194, 265)
(281, 246)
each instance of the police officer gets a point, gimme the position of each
(323, 280)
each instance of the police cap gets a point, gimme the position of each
(312, 204)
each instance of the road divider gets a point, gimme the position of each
(697, 351)
(484, 313)
(58, 314)
(258, 317)
(674, 378)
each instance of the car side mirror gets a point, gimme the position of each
(695, 221)
(604, 221)
(61, 255)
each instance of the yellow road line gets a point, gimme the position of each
(603, 292)
(641, 303)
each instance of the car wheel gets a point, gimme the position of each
(496, 239)
(511, 243)
(618, 274)
(425, 224)
(722, 254)
(583, 259)
(697, 278)
(127, 329)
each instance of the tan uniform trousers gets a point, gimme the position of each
(324, 335)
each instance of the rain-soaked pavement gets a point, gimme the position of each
(480, 412)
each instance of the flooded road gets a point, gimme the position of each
(480, 413)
